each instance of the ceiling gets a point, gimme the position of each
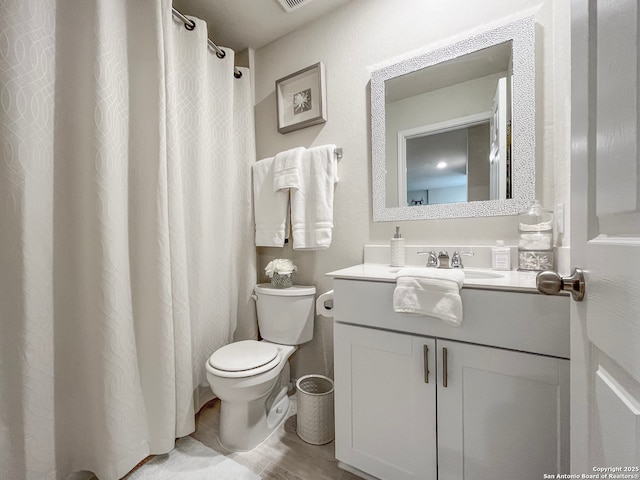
(425, 152)
(477, 64)
(239, 24)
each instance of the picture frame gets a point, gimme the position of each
(301, 99)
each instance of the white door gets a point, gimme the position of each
(498, 143)
(605, 236)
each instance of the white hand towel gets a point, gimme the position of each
(286, 169)
(270, 208)
(430, 291)
(312, 203)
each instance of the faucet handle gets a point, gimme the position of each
(456, 259)
(432, 261)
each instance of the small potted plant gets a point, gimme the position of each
(280, 271)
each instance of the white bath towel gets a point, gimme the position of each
(286, 169)
(430, 291)
(270, 208)
(312, 203)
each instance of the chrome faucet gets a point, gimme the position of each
(432, 260)
(456, 260)
(443, 259)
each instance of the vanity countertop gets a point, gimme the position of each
(510, 280)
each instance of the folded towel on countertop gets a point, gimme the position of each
(312, 202)
(430, 291)
(286, 169)
(271, 208)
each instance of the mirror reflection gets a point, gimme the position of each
(425, 101)
(448, 131)
(448, 167)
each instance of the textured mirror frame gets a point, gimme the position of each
(522, 35)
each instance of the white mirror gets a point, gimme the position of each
(453, 129)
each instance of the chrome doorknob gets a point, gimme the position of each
(550, 283)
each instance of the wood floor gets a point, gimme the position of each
(283, 456)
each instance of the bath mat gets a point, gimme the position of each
(191, 460)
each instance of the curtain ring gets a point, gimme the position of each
(237, 74)
(221, 54)
(190, 25)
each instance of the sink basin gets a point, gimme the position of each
(469, 274)
(480, 274)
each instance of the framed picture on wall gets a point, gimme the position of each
(301, 99)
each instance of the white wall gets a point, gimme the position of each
(449, 103)
(447, 195)
(349, 41)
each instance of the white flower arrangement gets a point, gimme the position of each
(282, 266)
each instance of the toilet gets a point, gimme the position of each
(251, 378)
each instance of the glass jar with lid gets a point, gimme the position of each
(535, 246)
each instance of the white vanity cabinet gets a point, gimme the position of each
(385, 411)
(499, 410)
(502, 414)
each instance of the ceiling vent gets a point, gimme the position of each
(291, 5)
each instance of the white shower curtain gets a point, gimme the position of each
(126, 250)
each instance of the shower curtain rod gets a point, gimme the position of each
(190, 25)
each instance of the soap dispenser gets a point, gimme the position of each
(397, 249)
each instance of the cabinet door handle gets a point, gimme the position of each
(445, 359)
(426, 364)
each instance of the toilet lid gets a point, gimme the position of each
(294, 291)
(243, 355)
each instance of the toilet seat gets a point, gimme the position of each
(244, 359)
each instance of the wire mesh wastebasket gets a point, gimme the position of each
(315, 409)
(281, 280)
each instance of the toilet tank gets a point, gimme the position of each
(285, 315)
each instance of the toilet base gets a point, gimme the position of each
(252, 407)
(259, 422)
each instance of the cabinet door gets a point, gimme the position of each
(385, 410)
(503, 414)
